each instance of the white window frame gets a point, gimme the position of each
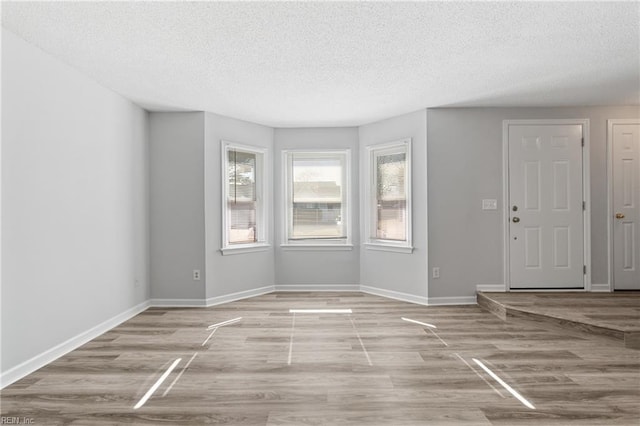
(287, 179)
(371, 242)
(262, 198)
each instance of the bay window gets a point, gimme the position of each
(388, 197)
(244, 211)
(316, 198)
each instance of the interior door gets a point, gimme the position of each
(546, 235)
(626, 205)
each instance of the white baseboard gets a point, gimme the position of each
(217, 300)
(317, 287)
(595, 288)
(29, 366)
(600, 288)
(462, 300)
(178, 303)
(490, 287)
(405, 297)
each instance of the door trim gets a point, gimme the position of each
(610, 123)
(586, 191)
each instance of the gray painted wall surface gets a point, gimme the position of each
(105, 206)
(238, 272)
(465, 166)
(316, 267)
(399, 272)
(74, 203)
(176, 156)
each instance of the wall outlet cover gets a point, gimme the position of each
(436, 272)
(489, 204)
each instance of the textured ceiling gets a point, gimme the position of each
(338, 64)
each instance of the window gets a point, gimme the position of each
(388, 192)
(317, 190)
(244, 218)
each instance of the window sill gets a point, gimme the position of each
(241, 249)
(388, 247)
(317, 247)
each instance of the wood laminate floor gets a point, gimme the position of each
(614, 314)
(369, 367)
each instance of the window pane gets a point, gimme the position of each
(391, 197)
(317, 198)
(241, 197)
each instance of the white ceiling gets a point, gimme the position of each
(343, 64)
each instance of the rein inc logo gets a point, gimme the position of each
(5, 420)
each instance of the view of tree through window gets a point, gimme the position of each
(241, 197)
(391, 197)
(317, 197)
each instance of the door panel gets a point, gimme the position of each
(626, 206)
(545, 186)
(532, 185)
(561, 185)
(628, 249)
(561, 247)
(532, 252)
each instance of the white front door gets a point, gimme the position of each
(625, 141)
(546, 234)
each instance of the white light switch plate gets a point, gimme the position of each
(489, 204)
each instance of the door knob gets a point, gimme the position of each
(516, 219)
(619, 215)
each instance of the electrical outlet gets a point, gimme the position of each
(196, 274)
(435, 272)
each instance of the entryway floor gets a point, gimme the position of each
(616, 315)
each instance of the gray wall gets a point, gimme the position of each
(316, 268)
(237, 272)
(465, 166)
(177, 221)
(400, 272)
(74, 203)
(105, 206)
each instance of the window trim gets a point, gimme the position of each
(370, 198)
(287, 188)
(262, 198)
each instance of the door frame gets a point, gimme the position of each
(610, 123)
(586, 191)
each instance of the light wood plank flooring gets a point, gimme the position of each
(365, 368)
(614, 314)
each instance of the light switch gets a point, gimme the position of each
(489, 204)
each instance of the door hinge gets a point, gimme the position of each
(582, 141)
(584, 269)
(584, 205)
